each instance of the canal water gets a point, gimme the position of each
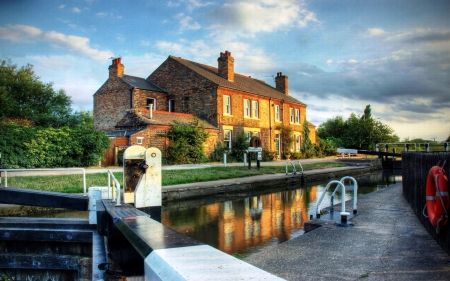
(242, 226)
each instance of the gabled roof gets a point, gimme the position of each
(241, 82)
(135, 119)
(141, 83)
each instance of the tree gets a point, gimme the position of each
(333, 130)
(307, 146)
(186, 142)
(286, 139)
(22, 95)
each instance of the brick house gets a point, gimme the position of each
(229, 104)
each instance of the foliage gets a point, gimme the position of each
(23, 96)
(186, 142)
(448, 139)
(26, 146)
(240, 146)
(325, 148)
(217, 154)
(307, 148)
(360, 132)
(286, 139)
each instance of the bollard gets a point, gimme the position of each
(224, 159)
(344, 222)
(245, 159)
(427, 147)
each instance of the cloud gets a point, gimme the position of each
(376, 32)
(187, 22)
(19, 33)
(251, 16)
(76, 10)
(75, 44)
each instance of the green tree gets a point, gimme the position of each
(186, 142)
(287, 139)
(23, 95)
(307, 149)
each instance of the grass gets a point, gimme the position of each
(74, 183)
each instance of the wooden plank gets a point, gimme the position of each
(33, 261)
(38, 235)
(28, 197)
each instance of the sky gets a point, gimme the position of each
(339, 55)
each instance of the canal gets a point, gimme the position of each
(244, 225)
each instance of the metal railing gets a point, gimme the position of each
(44, 170)
(339, 184)
(294, 171)
(115, 188)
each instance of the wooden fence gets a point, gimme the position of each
(415, 171)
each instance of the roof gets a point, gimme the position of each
(141, 83)
(241, 82)
(122, 133)
(134, 119)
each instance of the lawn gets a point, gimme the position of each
(74, 183)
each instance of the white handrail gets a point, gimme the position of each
(117, 184)
(54, 169)
(323, 194)
(294, 171)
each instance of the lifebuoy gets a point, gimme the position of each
(437, 196)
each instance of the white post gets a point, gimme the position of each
(224, 159)
(245, 159)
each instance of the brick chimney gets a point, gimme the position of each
(282, 84)
(226, 66)
(116, 68)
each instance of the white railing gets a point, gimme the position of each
(115, 188)
(294, 171)
(44, 170)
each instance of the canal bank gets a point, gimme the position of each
(387, 242)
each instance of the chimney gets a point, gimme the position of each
(226, 66)
(282, 84)
(116, 69)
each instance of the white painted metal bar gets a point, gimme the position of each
(45, 170)
(116, 198)
(324, 192)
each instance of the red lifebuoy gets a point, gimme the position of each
(437, 196)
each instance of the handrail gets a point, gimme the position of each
(294, 171)
(355, 191)
(323, 195)
(117, 185)
(54, 169)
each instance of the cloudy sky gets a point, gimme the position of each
(339, 55)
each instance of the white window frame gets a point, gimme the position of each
(292, 116)
(247, 108)
(297, 116)
(154, 103)
(140, 140)
(226, 105)
(255, 109)
(277, 113)
(298, 142)
(171, 105)
(227, 139)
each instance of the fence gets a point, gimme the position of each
(415, 171)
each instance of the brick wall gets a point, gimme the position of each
(110, 104)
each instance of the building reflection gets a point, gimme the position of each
(242, 225)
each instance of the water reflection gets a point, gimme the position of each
(246, 225)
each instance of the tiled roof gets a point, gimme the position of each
(122, 133)
(136, 119)
(141, 83)
(241, 82)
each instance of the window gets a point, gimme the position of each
(277, 112)
(140, 140)
(227, 138)
(297, 116)
(171, 105)
(248, 135)
(297, 143)
(255, 113)
(227, 105)
(246, 108)
(291, 110)
(151, 102)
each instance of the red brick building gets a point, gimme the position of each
(229, 103)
